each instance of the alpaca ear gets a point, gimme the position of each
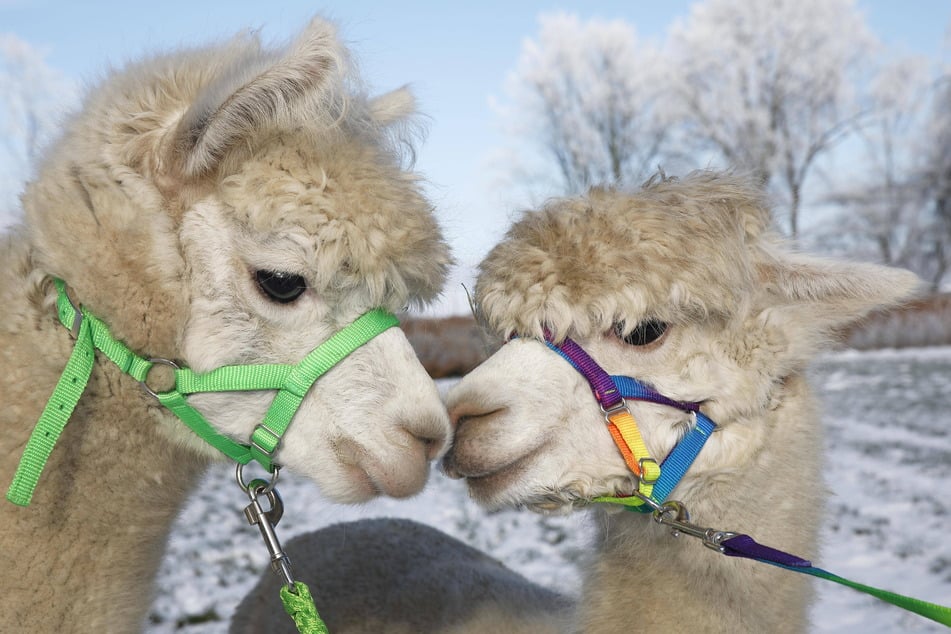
(254, 94)
(392, 107)
(813, 298)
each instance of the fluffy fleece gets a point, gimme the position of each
(182, 177)
(744, 314)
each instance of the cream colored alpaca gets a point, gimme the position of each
(682, 286)
(224, 205)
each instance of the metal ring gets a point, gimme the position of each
(159, 361)
(239, 476)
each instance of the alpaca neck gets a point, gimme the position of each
(643, 575)
(83, 556)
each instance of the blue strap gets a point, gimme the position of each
(678, 461)
(634, 389)
(681, 457)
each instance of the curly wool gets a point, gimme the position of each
(584, 264)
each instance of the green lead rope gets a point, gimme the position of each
(299, 605)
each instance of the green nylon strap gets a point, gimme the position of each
(193, 419)
(69, 388)
(299, 604)
(232, 378)
(292, 381)
(933, 611)
(267, 435)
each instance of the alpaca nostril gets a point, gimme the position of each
(458, 421)
(462, 416)
(432, 434)
(432, 447)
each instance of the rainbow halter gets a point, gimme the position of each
(654, 481)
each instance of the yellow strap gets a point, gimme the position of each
(635, 452)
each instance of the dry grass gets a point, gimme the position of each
(449, 346)
(925, 322)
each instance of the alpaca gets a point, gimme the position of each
(683, 286)
(219, 206)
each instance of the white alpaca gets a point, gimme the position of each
(219, 206)
(683, 286)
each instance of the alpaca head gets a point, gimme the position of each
(682, 286)
(239, 205)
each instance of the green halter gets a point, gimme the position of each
(292, 382)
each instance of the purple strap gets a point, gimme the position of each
(746, 547)
(605, 391)
(609, 391)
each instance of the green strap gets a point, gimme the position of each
(69, 388)
(193, 419)
(293, 382)
(267, 435)
(299, 604)
(232, 378)
(933, 611)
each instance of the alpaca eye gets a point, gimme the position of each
(647, 331)
(280, 287)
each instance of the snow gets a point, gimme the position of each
(888, 464)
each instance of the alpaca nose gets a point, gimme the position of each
(432, 432)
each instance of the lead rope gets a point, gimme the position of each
(610, 393)
(674, 514)
(295, 595)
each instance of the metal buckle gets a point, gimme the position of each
(277, 440)
(239, 476)
(674, 515)
(643, 475)
(620, 407)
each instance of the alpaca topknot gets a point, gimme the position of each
(675, 250)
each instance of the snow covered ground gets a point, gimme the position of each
(889, 465)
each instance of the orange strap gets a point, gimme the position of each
(631, 444)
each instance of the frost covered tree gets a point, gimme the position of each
(885, 190)
(33, 97)
(585, 97)
(935, 178)
(770, 86)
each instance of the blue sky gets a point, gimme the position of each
(455, 56)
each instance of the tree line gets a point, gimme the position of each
(799, 93)
(852, 140)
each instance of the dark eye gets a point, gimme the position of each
(280, 287)
(647, 331)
